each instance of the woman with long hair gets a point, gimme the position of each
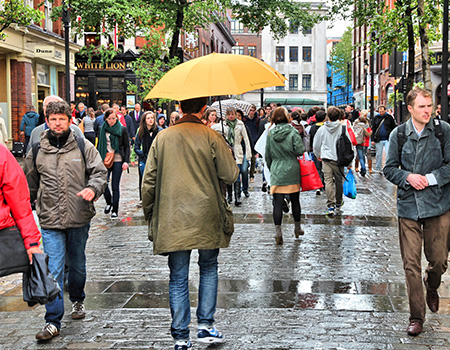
(283, 145)
(144, 137)
(113, 137)
(210, 117)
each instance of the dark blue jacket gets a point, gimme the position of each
(29, 120)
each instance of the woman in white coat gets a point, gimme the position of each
(234, 132)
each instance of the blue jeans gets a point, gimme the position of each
(116, 171)
(379, 155)
(180, 308)
(58, 243)
(362, 150)
(243, 171)
(141, 167)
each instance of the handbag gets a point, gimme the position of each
(309, 176)
(350, 185)
(39, 285)
(13, 255)
(109, 160)
(228, 219)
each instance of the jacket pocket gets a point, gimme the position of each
(228, 219)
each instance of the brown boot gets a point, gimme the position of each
(278, 235)
(369, 166)
(298, 230)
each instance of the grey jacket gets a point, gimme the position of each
(56, 178)
(420, 156)
(325, 140)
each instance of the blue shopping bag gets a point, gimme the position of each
(350, 185)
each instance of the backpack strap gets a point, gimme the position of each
(80, 142)
(439, 133)
(401, 140)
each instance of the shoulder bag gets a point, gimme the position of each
(13, 255)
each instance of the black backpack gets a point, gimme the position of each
(345, 153)
(401, 138)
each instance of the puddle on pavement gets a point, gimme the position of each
(311, 219)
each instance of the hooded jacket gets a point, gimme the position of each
(240, 134)
(283, 145)
(181, 187)
(57, 176)
(325, 140)
(29, 121)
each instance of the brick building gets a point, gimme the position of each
(32, 66)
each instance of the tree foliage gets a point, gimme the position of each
(342, 53)
(400, 26)
(15, 11)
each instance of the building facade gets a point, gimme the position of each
(340, 92)
(301, 58)
(32, 66)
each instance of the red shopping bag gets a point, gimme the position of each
(309, 177)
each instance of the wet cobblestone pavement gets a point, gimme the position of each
(341, 286)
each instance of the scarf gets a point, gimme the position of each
(231, 125)
(60, 141)
(115, 133)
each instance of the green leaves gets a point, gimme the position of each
(15, 11)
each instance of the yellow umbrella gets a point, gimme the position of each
(215, 75)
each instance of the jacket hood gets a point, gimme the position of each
(280, 132)
(31, 114)
(333, 126)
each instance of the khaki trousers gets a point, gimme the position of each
(334, 189)
(434, 234)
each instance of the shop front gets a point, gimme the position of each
(97, 83)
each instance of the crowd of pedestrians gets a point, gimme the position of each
(215, 159)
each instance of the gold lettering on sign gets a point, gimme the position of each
(99, 65)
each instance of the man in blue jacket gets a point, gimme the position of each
(418, 162)
(29, 121)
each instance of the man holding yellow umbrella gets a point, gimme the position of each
(182, 185)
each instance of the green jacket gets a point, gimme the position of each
(181, 192)
(283, 145)
(420, 155)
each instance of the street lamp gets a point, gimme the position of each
(348, 81)
(366, 67)
(66, 20)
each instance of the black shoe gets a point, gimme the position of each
(264, 187)
(246, 194)
(108, 208)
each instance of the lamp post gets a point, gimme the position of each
(372, 78)
(66, 20)
(366, 66)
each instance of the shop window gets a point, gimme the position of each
(82, 83)
(42, 75)
(103, 83)
(117, 97)
(117, 83)
(92, 39)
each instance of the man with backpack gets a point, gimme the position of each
(325, 148)
(382, 126)
(418, 162)
(64, 179)
(312, 130)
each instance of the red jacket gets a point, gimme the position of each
(15, 207)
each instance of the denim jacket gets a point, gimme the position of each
(420, 155)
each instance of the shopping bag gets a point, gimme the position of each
(309, 177)
(39, 285)
(350, 185)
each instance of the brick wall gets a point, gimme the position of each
(20, 93)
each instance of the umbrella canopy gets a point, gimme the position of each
(215, 75)
(238, 104)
